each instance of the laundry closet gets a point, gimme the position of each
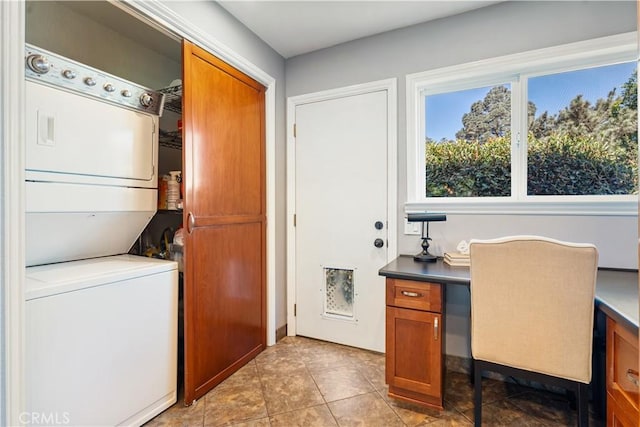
(210, 140)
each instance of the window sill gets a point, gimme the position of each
(538, 207)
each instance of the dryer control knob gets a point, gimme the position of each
(90, 81)
(126, 93)
(146, 100)
(38, 64)
(69, 74)
(109, 87)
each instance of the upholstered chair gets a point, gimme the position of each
(532, 302)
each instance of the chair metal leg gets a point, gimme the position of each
(582, 397)
(472, 370)
(577, 389)
(477, 394)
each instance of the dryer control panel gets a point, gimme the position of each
(54, 70)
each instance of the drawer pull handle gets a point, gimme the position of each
(435, 329)
(411, 294)
(633, 377)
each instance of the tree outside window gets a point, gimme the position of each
(577, 143)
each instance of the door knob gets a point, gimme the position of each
(378, 225)
(378, 243)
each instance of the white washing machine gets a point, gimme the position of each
(101, 341)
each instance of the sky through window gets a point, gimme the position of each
(553, 92)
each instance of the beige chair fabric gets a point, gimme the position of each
(532, 302)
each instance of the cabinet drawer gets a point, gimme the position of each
(417, 295)
(622, 368)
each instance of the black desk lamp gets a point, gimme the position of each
(425, 217)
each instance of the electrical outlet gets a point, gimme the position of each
(412, 228)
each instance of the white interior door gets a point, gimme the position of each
(341, 211)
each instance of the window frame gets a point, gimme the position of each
(514, 70)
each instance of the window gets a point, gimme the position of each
(554, 129)
(582, 134)
(467, 153)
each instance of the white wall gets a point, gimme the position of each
(501, 29)
(614, 236)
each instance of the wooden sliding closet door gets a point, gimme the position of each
(225, 220)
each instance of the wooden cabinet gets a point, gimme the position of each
(414, 341)
(622, 376)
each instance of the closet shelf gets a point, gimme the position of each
(173, 98)
(171, 139)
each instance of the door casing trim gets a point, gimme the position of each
(12, 224)
(390, 85)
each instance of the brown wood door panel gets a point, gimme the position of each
(225, 198)
(228, 317)
(228, 166)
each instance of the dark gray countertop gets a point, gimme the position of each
(404, 267)
(616, 290)
(617, 295)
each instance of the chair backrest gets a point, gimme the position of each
(532, 303)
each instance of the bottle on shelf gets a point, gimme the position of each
(173, 190)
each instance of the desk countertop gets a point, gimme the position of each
(617, 295)
(616, 290)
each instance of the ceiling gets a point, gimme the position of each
(291, 27)
(296, 27)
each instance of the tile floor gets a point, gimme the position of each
(304, 382)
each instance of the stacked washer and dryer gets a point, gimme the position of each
(101, 325)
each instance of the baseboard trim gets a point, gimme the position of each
(457, 364)
(281, 332)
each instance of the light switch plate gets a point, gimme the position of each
(412, 228)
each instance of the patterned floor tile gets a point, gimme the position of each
(458, 391)
(500, 414)
(364, 410)
(374, 373)
(283, 360)
(317, 416)
(318, 357)
(414, 415)
(290, 391)
(307, 382)
(341, 382)
(180, 416)
(262, 422)
(237, 399)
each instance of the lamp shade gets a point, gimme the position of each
(426, 217)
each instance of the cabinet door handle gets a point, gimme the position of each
(435, 329)
(191, 220)
(411, 294)
(632, 376)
